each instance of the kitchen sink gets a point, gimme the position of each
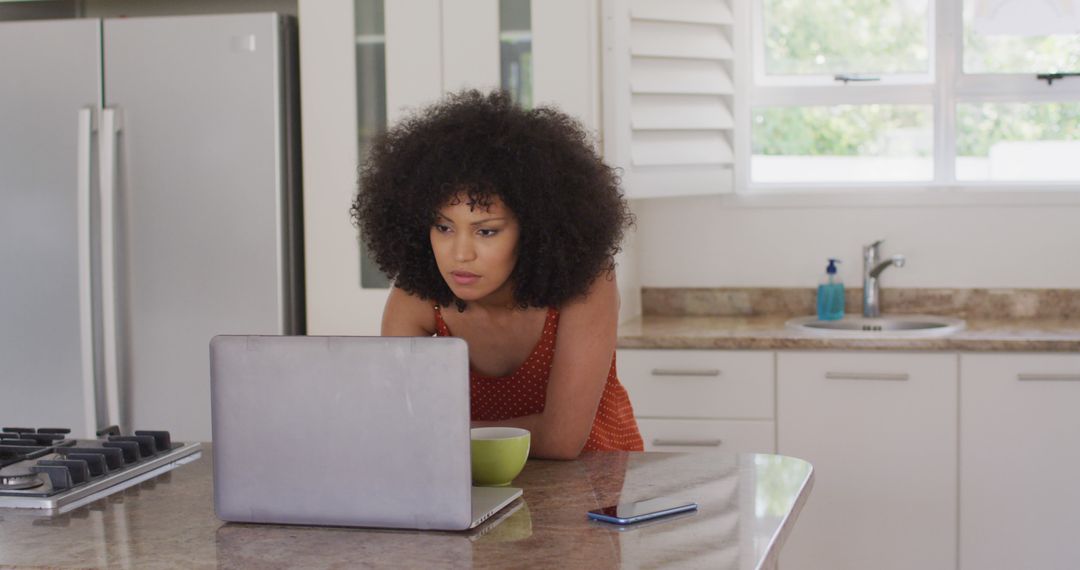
(909, 326)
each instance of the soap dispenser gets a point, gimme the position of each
(830, 294)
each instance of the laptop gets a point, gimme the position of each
(345, 431)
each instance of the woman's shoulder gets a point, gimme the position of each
(407, 314)
(596, 310)
(602, 294)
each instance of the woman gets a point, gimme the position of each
(510, 219)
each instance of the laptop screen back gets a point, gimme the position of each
(353, 431)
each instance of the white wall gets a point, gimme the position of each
(701, 242)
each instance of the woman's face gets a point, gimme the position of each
(476, 248)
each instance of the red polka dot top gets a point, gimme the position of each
(523, 392)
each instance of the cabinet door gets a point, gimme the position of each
(728, 436)
(566, 65)
(336, 302)
(470, 45)
(880, 430)
(1019, 461)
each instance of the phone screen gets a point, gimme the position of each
(630, 512)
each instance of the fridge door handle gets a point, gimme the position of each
(85, 240)
(107, 142)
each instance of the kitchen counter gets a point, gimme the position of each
(768, 332)
(748, 505)
(998, 320)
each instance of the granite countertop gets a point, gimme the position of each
(769, 333)
(748, 505)
(754, 319)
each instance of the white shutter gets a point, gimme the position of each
(659, 112)
(669, 95)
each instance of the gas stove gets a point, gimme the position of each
(43, 469)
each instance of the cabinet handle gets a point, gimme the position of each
(689, 442)
(685, 372)
(865, 376)
(1039, 377)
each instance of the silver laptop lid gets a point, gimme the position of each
(354, 431)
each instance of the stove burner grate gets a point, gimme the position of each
(42, 468)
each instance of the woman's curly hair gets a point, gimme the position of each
(539, 162)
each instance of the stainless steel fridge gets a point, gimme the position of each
(149, 200)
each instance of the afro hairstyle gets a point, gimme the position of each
(476, 146)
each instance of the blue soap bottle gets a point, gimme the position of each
(830, 294)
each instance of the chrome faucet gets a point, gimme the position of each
(872, 268)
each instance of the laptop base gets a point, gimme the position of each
(487, 501)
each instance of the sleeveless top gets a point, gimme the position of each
(523, 392)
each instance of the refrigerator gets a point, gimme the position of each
(149, 200)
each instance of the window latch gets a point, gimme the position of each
(848, 77)
(1050, 77)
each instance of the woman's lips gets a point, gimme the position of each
(464, 277)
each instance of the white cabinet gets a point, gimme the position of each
(881, 432)
(897, 440)
(688, 400)
(1019, 461)
(336, 304)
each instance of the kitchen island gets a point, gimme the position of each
(748, 505)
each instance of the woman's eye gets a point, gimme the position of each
(487, 233)
(442, 229)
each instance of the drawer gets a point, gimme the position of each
(734, 436)
(698, 383)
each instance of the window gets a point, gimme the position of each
(914, 92)
(515, 50)
(370, 104)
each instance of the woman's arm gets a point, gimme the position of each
(407, 315)
(583, 353)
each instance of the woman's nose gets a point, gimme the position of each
(463, 248)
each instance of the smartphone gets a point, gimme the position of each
(637, 511)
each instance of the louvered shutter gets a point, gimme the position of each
(669, 96)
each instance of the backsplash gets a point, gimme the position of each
(784, 301)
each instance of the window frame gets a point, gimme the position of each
(949, 88)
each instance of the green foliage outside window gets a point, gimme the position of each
(852, 36)
(1016, 54)
(887, 36)
(980, 126)
(842, 130)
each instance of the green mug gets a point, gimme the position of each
(498, 454)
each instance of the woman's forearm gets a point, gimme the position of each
(545, 442)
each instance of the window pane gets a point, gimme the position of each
(515, 50)
(1021, 36)
(1018, 141)
(814, 37)
(370, 104)
(842, 143)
